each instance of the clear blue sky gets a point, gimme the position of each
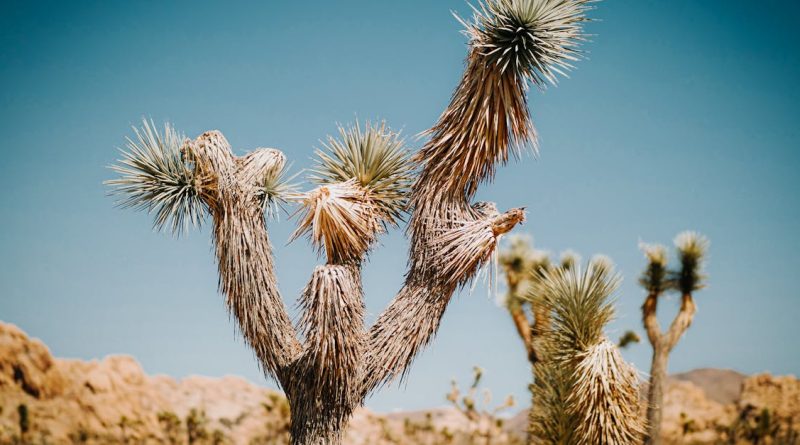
(684, 116)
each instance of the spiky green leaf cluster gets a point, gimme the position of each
(580, 306)
(376, 158)
(584, 393)
(654, 278)
(536, 39)
(688, 277)
(522, 265)
(277, 190)
(155, 178)
(602, 264)
(692, 248)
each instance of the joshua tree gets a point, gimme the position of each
(657, 279)
(330, 363)
(584, 392)
(566, 303)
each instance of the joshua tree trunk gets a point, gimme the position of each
(662, 343)
(524, 330)
(655, 394)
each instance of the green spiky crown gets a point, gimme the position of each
(376, 158)
(155, 178)
(654, 277)
(536, 39)
(692, 248)
(657, 277)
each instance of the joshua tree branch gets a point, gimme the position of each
(681, 322)
(244, 253)
(324, 382)
(650, 320)
(524, 330)
(412, 318)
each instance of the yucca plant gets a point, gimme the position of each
(564, 301)
(657, 279)
(584, 392)
(366, 181)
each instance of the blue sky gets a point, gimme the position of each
(684, 116)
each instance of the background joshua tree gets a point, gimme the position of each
(524, 269)
(565, 303)
(657, 279)
(366, 181)
(584, 392)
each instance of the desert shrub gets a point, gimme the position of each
(171, 426)
(24, 420)
(196, 424)
(277, 424)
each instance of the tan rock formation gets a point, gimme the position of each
(114, 401)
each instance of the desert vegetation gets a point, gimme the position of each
(582, 390)
(366, 181)
(657, 279)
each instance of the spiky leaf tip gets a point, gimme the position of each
(376, 158)
(277, 190)
(692, 248)
(535, 39)
(569, 259)
(602, 264)
(654, 278)
(628, 338)
(580, 306)
(516, 256)
(154, 177)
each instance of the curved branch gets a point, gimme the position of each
(412, 318)
(650, 320)
(244, 253)
(487, 117)
(524, 330)
(681, 322)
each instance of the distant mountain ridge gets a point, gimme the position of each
(720, 385)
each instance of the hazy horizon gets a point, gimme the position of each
(683, 116)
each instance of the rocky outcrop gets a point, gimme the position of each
(702, 407)
(690, 416)
(720, 385)
(781, 395)
(26, 364)
(114, 401)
